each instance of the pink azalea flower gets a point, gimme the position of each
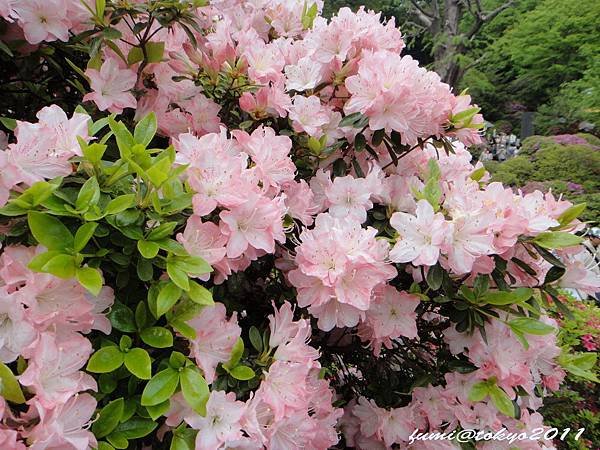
(65, 425)
(111, 87)
(43, 20)
(16, 333)
(349, 197)
(216, 171)
(221, 424)
(9, 440)
(391, 315)
(257, 223)
(215, 338)
(420, 238)
(308, 114)
(299, 200)
(203, 239)
(284, 388)
(304, 75)
(53, 371)
(270, 154)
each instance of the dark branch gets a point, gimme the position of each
(481, 17)
(425, 18)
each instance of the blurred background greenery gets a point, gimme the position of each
(513, 55)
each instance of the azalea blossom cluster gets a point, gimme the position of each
(317, 156)
(44, 320)
(292, 407)
(448, 406)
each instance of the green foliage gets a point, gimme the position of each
(554, 166)
(95, 229)
(575, 404)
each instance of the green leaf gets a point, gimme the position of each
(144, 269)
(200, 295)
(242, 373)
(10, 388)
(120, 204)
(502, 401)
(138, 363)
(479, 391)
(177, 360)
(145, 129)
(108, 418)
(159, 172)
(255, 338)
(83, 235)
(136, 428)
(195, 389)
(61, 266)
(39, 261)
(554, 274)
(557, 239)
(105, 446)
(157, 337)
(93, 152)
(194, 265)
(500, 298)
(350, 119)
(90, 278)
(148, 249)
(100, 7)
(121, 317)
(135, 55)
(49, 231)
(158, 410)
(178, 276)
(155, 51)
(105, 360)
(161, 387)
(88, 195)
(167, 297)
(571, 214)
(124, 138)
(580, 364)
(477, 174)
(183, 439)
(9, 123)
(236, 354)
(118, 440)
(162, 231)
(184, 329)
(435, 276)
(528, 325)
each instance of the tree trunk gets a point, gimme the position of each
(447, 46)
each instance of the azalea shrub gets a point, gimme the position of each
(575, 403)
(258, 228)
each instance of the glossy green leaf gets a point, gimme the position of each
(178, 276)
(138, 363)
(479, 391)
(195, 389)
(145, 129)
(502, 401)
(136, 428)
(84, 234)
(121, 317)
(61, 266)
(120, 204)
(557, 239)
(157, 337)
(148, 249)
(242, 373)
(236, 354)
(10, 388)
(515, 296)
(88, 195)
(105, 360)
(167, 297)
(90, 278)
(161, 387)
(156, 411)
(108, 418)
(528, 325)
(200, 295)
(49, 231)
